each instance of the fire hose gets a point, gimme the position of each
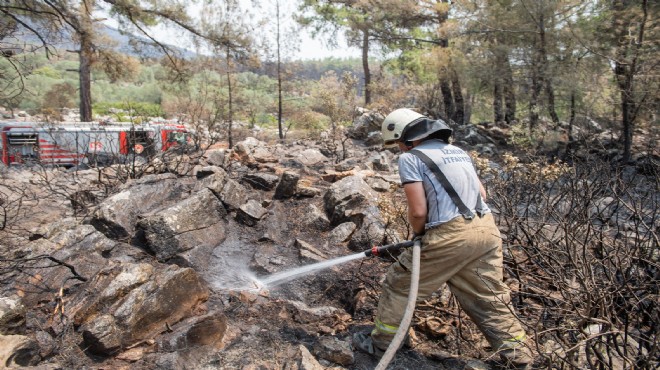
(412, 296)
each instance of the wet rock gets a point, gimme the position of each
(250, 213)
(370, 232)
(334, 350)
(287, 186)
(12, 316)
(196, 221)
(261, 181)
(195, 332)
(233, 194)
(116, 216)
(308, 252)
(18, 351)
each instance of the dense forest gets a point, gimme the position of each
(529, 63)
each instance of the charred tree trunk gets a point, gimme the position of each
(459, 103)
(84, 75)
(85, 57)
(230, 108)
(498, 115)
(545, 75)
(447, 98)
(279, 76)
(509, 94)
(365, 67)
(625, 68)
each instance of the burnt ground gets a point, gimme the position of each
(266, 328)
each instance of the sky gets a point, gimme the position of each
(308, 47)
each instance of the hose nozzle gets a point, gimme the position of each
(377, 251)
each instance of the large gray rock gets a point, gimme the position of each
(261, 181)
(311, 157)
(365, 123)
(347, 199)
(116, 216)
(196, 221)
(287, 186)
(352, 199)
(250, 213)
(127, 304)
(233, 194)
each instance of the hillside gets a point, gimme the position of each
(164, 266)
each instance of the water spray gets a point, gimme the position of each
(375, 251)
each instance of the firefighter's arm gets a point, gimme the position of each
(417, 210)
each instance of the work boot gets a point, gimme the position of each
(363, 343)
(516, 358)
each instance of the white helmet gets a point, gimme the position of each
(394, 124)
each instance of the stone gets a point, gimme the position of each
(215, 157)
(307, 360)
(18, 351)
(307, 251)
(315, 218)
(342, 233)
(346, 197)
(287, 186)
(194, 222)
(250, 213)
(12, 316)
(195, 332)
(311, 157)
(144, 303)
(213, 181)
(334, 350)
(116, 215)
(261, 181)
(379, 185)
(233, 194)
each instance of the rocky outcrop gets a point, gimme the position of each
(124, 305)
(117, 215)
(193, 222)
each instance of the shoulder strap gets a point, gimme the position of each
(465, 211)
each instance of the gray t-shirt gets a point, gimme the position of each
(457, 166)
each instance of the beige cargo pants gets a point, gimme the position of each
(467, 255)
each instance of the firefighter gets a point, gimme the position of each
(461, 245)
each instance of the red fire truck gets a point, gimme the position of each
(70, 144)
